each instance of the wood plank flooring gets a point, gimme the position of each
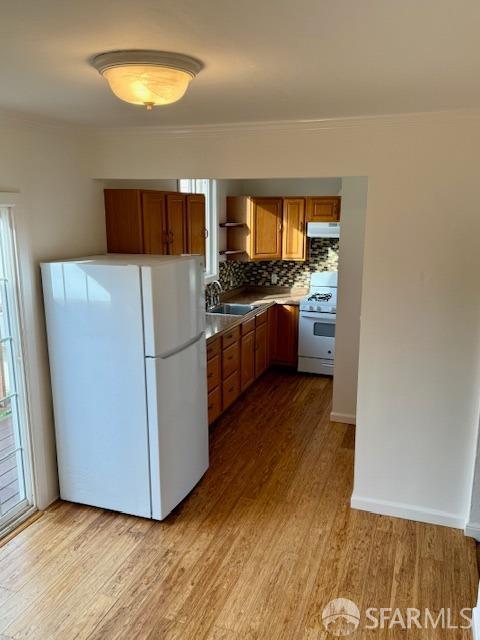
(257, 550)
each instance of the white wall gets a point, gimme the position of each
(59, 214)
(418, 403)
(161, 185)
(291, 187)
(350, 274)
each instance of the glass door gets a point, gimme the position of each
(15, 486)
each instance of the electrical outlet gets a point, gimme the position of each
(274, 278)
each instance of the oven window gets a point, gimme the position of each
(325, 329)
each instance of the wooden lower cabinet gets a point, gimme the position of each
(272, 334)
(214, 372)
(248, 359)
(286, 344)
(214, 379)
(261, 348)
(231, 360)
(231, 389)
(214, 404)
(214, 348)
(242, 354)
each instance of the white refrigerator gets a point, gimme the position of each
(126, 341)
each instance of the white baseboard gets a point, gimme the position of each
(345, 418)
(472, 530)
(407, 511)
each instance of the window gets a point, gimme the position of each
(209, 189)
(15, 485)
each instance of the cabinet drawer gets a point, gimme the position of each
(230, 360)
(214, 405)
(261, 318)
(213, 372)
(231, 389)
(213, 348)
(248, 326)
(230, 337)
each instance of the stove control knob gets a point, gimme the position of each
(311, 308)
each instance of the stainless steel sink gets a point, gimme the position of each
(228, 309)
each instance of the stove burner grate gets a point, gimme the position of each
(320, 297)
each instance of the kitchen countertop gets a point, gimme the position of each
(262, 297)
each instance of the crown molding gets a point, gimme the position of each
(296, 126)
(17, 119)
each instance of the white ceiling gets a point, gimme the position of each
(265, 59)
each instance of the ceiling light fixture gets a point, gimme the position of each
(145, 77)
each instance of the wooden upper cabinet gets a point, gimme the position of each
(154, 222)
(294, 239)
(177, 223)
(124, 221)
(266, 228)
(323, 208)
(286, 348)
(196, 229)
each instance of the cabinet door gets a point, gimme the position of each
(230, 390)
(154, 222)
(272, 334)
(214, 372)
(266, 228)
(214, 404)
(286, 351)
(176, 223)
(123, 217)
(261, 347)
(248, 360)
(294, 239)
(323, 209)
(196, 229)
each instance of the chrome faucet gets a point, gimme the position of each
(214, 298)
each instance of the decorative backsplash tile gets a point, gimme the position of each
(231, 274)
(323, 256)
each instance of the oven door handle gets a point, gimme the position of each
(319, 317)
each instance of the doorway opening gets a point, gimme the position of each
(15, 469)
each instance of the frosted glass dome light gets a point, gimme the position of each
(148, 78)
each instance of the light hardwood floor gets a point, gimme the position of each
(264, 542)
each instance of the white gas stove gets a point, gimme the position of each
(316, 337)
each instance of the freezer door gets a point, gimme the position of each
(173, 304)
(95, 340)
(178, 425)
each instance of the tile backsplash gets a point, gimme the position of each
(323, 256)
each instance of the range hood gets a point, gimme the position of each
(323, 229)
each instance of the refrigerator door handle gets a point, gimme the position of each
(179, 349)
